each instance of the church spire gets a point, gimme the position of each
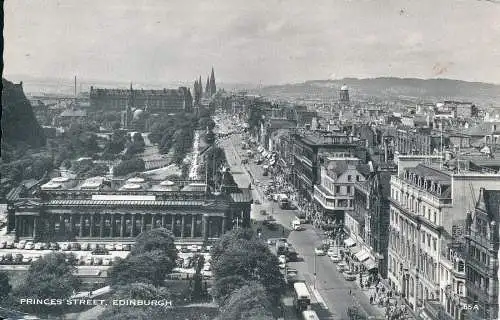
(208, 88)
(213, 88)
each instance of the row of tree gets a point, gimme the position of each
(248, 282)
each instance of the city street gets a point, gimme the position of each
(332, 290)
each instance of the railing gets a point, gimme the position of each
(436, 311)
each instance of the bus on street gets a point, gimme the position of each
(301, 296)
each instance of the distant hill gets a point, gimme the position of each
(418, 90)
(19, 124)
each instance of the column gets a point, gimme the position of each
(132, 227)
(52, 224)
(71, 225)
(62, 225)
(183, 225)
(35, 226)
(91, 232)
(18, 225)
(205, 226)
(193, 225)
(224, 225)
(82, 222)
(101, 225)
(153, 220)
(172, 219)
(143, 223)
(122, 226)
(112, 228)
(163, 221)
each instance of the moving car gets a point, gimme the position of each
(335, 258)
(282, 259)
(319, 251)
(341, 267)
(331, 251)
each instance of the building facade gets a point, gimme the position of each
(482, 239)
(427, 205)
(99, 208)
(157, 101)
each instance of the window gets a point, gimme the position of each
(337, 189)
(434, 244)
(349, 178)
(348, 189)
(429, 240)
(357, 178)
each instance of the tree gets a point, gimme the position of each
(249, 301)
(157, 239)
(224, 287)
(5, 286)
(148, 267)
(197, 288)
(128, 166)
(51, 277)
(223, 242)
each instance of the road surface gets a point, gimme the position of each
(332, 291)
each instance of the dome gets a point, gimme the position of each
(138, 113)
(131, 186)
(344, 87)
(135, 180)
(60, 179)
(167, 183)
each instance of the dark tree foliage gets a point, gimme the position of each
(5, 287)
(148, 267)
(51, 277)
(225, 286)
(156, 239)
(239, 253)
(247, 302)
(128, 166)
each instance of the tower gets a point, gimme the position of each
(213, 88)
(344, 94)
(207, 88)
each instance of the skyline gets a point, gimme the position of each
(271, 42)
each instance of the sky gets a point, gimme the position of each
(258, 41)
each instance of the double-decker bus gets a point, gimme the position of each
(309, 315)
(301, 296)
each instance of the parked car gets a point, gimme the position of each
(207, 267)
(89, 260)
(29, 245)
(75, 246)
(187, 263)
(110, 247)
(9, 245)
(319, 251)
(100, 251)
(3, 244)
(127, 247)
(38, 246)
(85, 246)
(349, 276)
(8, 257)
(54, 246)
(18, 258)
(21, 244)
(93, 246)
(256, 201)
(106, 262)
(119, 247)
(26, 260)
(97, 261)
(65, 246)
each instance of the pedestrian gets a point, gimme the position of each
(350, 292)
(371, 299)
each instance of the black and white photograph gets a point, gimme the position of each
(250, 160)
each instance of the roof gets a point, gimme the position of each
(489, 201)
(244, 196)
(431, 174)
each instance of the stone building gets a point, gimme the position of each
(99, 208)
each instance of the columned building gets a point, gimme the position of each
(73, 210)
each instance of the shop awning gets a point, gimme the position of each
(354, 250)
(349, 242)
(370, 264)
(362, 255)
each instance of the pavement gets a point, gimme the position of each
(332, 294)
